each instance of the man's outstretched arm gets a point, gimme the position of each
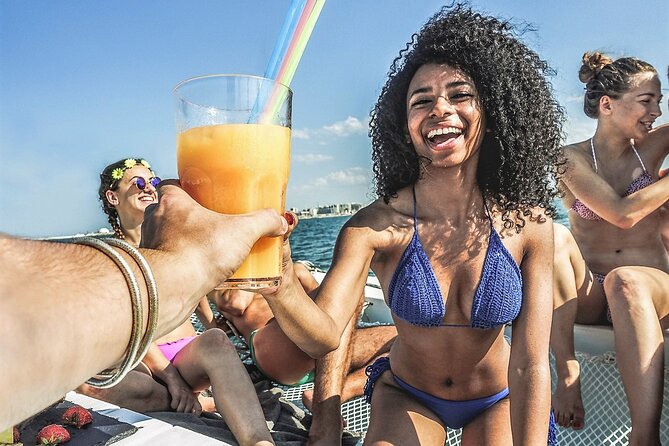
(66, 310)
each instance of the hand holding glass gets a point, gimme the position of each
(233, 157)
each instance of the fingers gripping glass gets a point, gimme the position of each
(233, 157)
(141, 182)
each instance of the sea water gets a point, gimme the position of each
(314, 238)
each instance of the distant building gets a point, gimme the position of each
(331, 210)
(305, 213)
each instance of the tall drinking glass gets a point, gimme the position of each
(233, 157)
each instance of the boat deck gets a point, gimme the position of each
(607, 413)
(608, 420)
(150, 431)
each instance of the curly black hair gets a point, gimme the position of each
(520, 156)
(108, 182)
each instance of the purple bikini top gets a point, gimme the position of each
(415, 296)
(640, 182)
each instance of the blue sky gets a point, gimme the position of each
(85, 82)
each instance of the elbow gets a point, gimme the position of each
(332, 346)
(626, 217)
(323, 341)
(324, 347)
(626, 221)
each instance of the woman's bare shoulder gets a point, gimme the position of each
(378, 221)
(578, 152)
(536, 225)
(538, 229)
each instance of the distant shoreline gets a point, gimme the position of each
(311, 217)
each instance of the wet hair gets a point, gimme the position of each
(520, 155)
(604, 76)
(109, 180)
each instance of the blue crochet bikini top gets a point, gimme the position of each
(415, 296)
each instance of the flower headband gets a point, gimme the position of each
(117, 173)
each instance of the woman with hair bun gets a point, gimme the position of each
(612, 267)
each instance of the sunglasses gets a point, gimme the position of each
(141, 183)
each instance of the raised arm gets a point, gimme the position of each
(529, 370)
(66, 308)
(316, 326)
(591, 189)
(658, 142)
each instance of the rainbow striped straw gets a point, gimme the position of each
(285, 35)
(293, 37)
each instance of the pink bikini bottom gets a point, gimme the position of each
(170, 349)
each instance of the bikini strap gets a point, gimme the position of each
(638, 156)
(415, 220)
(487, 211)
(592, 148)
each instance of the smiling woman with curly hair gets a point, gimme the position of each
(520, 148)
(466, 147)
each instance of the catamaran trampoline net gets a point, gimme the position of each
(607, 413)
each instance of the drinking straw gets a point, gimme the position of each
(288, 52)
(286, 33)
(299, 41)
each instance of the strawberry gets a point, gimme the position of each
(76, 416)
(52, 434)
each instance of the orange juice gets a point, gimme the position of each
(237, 168)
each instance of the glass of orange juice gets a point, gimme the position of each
(233, 157)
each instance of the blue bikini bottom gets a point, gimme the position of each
(454, 414)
